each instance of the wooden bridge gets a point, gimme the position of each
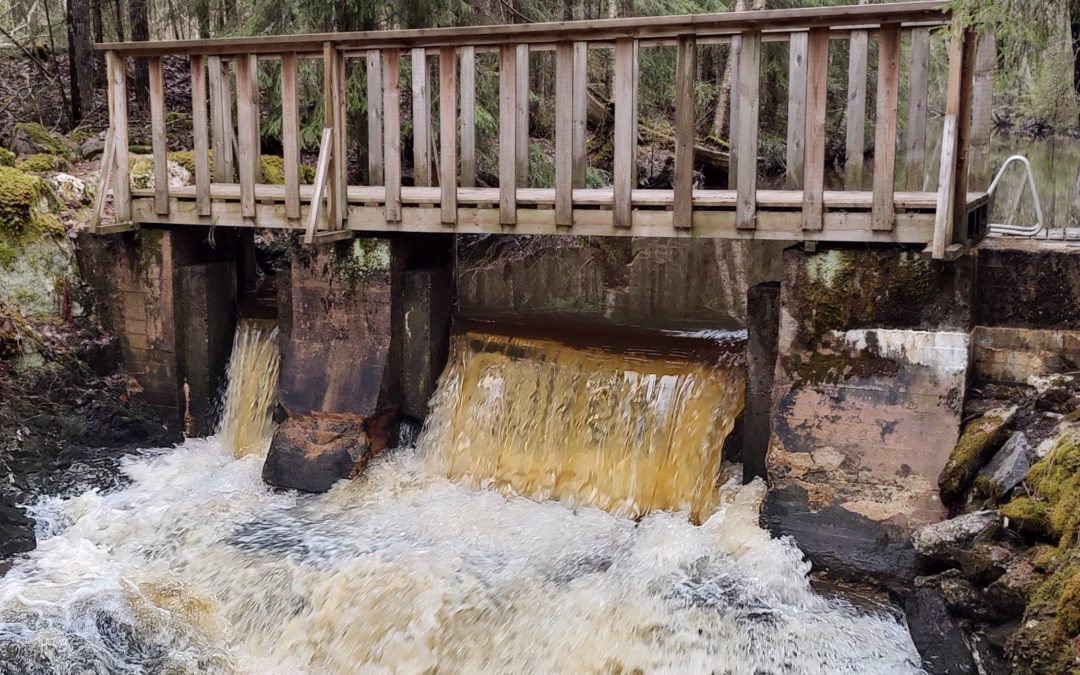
(445, 195)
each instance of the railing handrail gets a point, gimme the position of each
(845, 17)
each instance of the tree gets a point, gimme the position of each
(80, 58)
(140, 32)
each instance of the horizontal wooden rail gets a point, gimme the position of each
(441, 167)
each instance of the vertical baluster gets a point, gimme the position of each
(963, 139)
(856, 111)
(341, 137)
(796, 138)
(564, 134)
(117, 71)
(375, 117)
(952, 147)
(508, 148)
(749, 79)
(290, 135)
(521, 126)
(158, 136)
(685, 73)
(580, 113)
(733, 113)
(247, 117)
(200, 135)
(448, 175)
(817, 80)
(392, 133)
(982, 108)
(218, 139)
(331, 98)
(625, 170)
(421, 119)
(468, 116)
(918, 88)
(885, 126)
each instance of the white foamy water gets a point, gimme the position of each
(196, 567)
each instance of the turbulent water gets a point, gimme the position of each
(197, 567)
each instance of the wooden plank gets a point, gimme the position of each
(392, 133)
(796, 138)
(200, 134)
(963, 139)
(564, 134)
(229, 151)
(218, 138)
(322, 175)
(918, 90)
(982, 121)
(856, 111)
(817, 80)
(947, 179)
(468, 116)
(375, 117)
(885, 126)
(108, 161)
(749, 82)
(733, 113)
(290, 134)
(508, 147)
(117, 72)
(333, 91)
(580, 114)
(625, 91)
(521, 126)
(931, 12)
(421, 119)
(247, 117)
(685, 73)
(341, 137)
(448, 175)
(159, 136)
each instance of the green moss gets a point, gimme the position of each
(142, 172)
(43, 163)
(19, 195)
(974, 448)
(1028, 515)
(186, 159)
(1055, 480)
(1068, 609)
(360, 258)
(7, 157)
(273, 171)
(80, 135)
(43, 138)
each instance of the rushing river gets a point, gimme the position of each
(195, 566)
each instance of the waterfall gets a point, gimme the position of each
(247, 424)
(630, 433)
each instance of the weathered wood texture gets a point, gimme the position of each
(796, 138)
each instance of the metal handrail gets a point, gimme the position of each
(1018, 230)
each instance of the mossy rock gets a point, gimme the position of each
(272, 167)
(7, 157)
(31, 138)
(186, 159)
(1068, 609)
(976, 446)
(1054, 485)
(43, 163)
(20, 195)
(1028, 515)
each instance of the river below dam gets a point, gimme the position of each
(194, 565)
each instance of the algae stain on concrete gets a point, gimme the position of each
(361, 258)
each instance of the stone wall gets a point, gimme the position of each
(656, 283)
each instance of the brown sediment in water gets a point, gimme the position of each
(626, 424)
(247, 424)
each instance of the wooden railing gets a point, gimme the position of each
(805, 210)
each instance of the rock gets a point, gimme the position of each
(70, 190)
(16, 530)
(92, 147)
(976, 445)
(312, 452)
(142, 173)
(984, 562)
(941, 541)
(961, 596)
(937, 635)
(1010, 592)
(1007, 469)
(989, 643)
(31, 138)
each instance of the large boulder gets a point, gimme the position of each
(31, 138)
(312, 452)
(937, 635)
(941, 541)
(1007, 469)
(981, 438)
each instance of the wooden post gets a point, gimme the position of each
(856, 111)
(521, 105)
(333, 91)
(817, 80)
(290, 135)
(885, 126)
(918, 88)
(749, 82)
(735, 50)
(796, 139)
(508, 147)
(392, 133)
(580, 113)
(117, 72)
(982, 121)
(625, 170)
(247, 114)
(159, 137)
(468, 116)
(199, 134)
(564, 134)
(448, 174)
(685, 72)
(322, 170)
(222, 133)
(944, 220)
(963, 140)
(375, 117)
(421, 119)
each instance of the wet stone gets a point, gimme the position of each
(937, 635)
(940, 541)
(1008, 467)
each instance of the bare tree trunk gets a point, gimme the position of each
(80, 58)
(118, 9)
(202, 17)
(613, 9)
(99, 36)
(140, 32)
(723, 94)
